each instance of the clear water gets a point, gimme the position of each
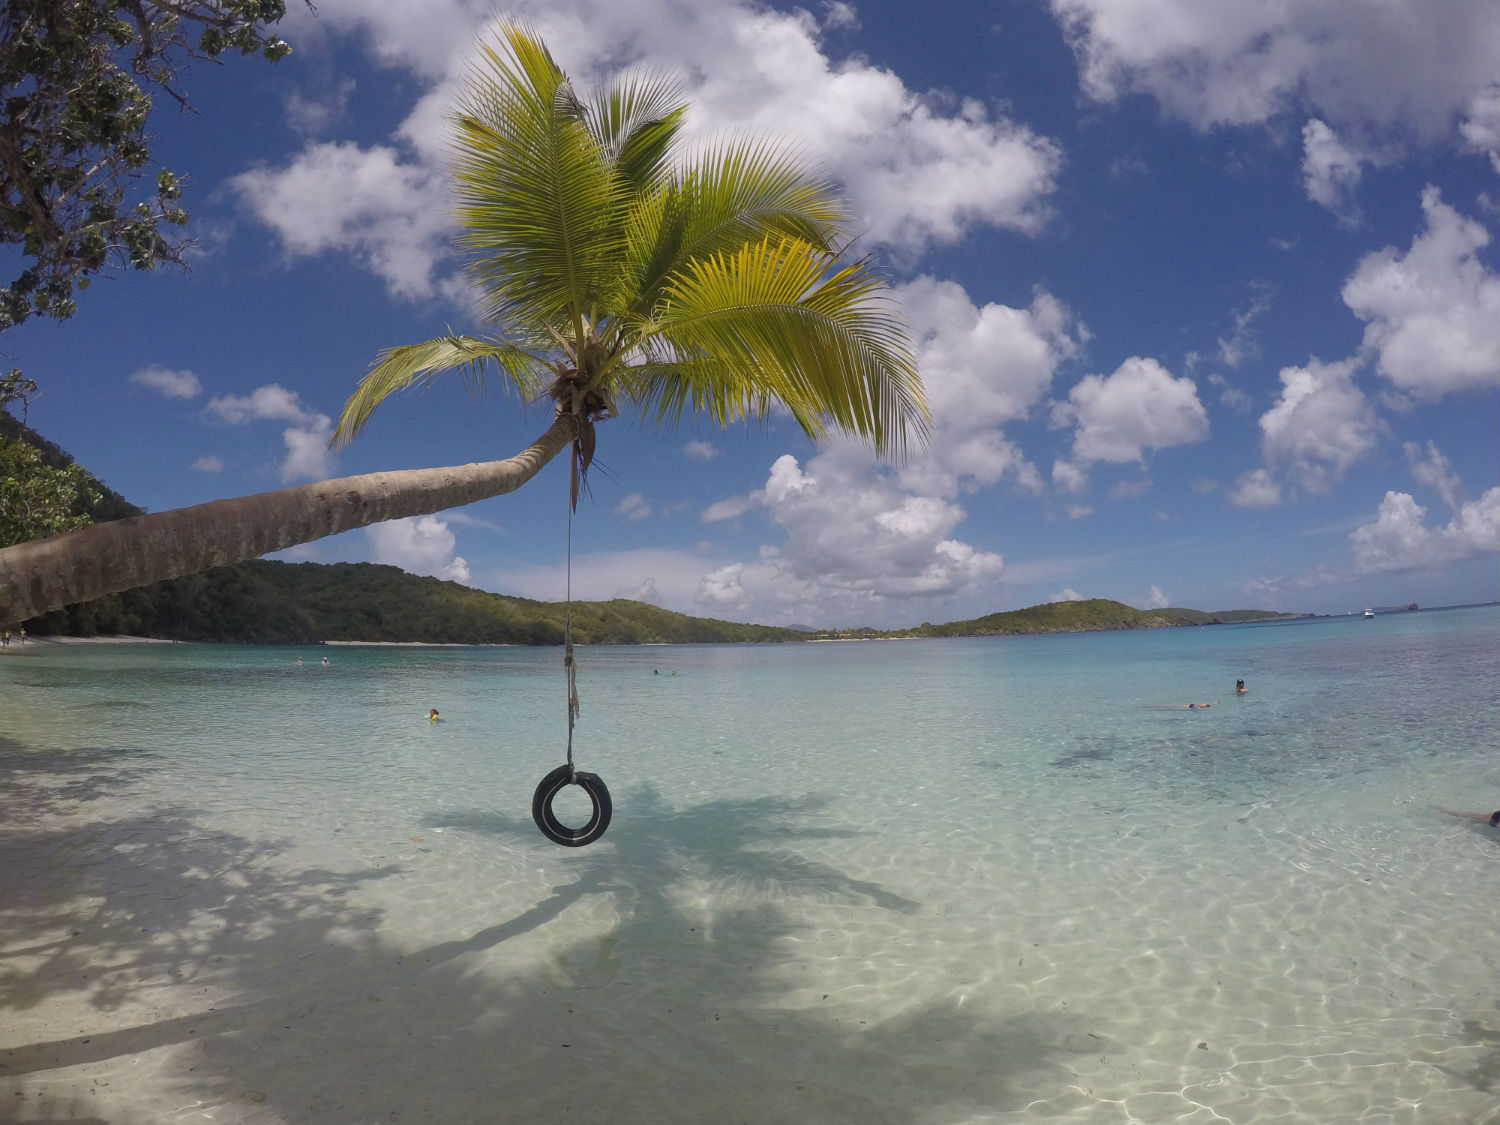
(928, 881)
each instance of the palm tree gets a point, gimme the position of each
(614, 269)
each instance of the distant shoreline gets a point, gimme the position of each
(417, 644)
(46, 640)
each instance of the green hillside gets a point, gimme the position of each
(1093, 615)
(264, 602)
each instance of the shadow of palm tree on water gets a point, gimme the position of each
(666, 977)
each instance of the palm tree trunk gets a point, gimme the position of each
(106, 558)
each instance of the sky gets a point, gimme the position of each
(1205, 295)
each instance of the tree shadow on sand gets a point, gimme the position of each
(702, 996)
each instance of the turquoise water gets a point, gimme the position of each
(967, 880)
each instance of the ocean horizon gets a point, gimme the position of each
(1007, 879)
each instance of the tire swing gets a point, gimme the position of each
(566, 775)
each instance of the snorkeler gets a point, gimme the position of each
(433, 715)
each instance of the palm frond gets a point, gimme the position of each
(636, 121)
(730, 195)
(397, 368)
(537, 199)
(665, 389)
(824, 344)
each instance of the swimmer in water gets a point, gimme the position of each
(1493, 820)
(433, 715)
(1239, 687)
(325, 660)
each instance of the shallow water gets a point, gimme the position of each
(927, 881)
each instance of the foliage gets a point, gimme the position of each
(78, 77)
(616, 268)
(265, 602)
(15, 387)
(35, 499)
(1094, 614)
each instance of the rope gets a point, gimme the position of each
(569, 665)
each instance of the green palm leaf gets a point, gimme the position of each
(396, 369)
(708, 284)
(825, 345)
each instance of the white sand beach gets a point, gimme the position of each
(18, 645)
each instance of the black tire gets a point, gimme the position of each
(554, 829)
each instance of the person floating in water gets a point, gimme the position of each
(1493, 820)
(433, 715)
(1239, 687)
(325, 661)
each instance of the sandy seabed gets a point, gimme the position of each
(167, 966)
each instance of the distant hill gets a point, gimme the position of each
(265, 602)
(1095, 614)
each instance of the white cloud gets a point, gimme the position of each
(1331, 170)
(1240, 345)
(388, 213)
(307, 454)
(1122, 417)
(699, 451)
(209, 464)
(1255, 489)
(1481, 127)
(1399, 539)
(633, 507)
(1401, 64)
(306, 440)
(1129, 489)
(418, 545)
(166, 382)
(1157, 599)
(1320, 426)
(643, 592)
(1230, 395)
(859, 536)
(721, 589)
(992, 363)
(1067, 595)
(1429, 467)
(982, 367)
(1068, 476)
(731, 508)
(272, 401)
(839, 15)
(1434, 312)
(853, 531)
(310, 116)
(919, 169)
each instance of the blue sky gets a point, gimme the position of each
(1205, 293)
